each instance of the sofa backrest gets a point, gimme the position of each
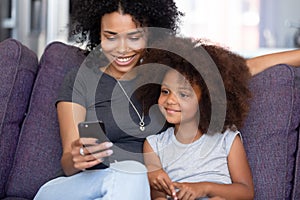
(271, 133)
(18, 66)
(37, 158)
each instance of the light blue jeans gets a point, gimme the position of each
(126, 180)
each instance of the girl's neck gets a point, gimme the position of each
(187, 134)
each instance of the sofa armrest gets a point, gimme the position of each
(296, 188)
(37, 158)
(271, 132)
(19, 66)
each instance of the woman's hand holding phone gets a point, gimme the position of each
(92, 150)
(94, 154)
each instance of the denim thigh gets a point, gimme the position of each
(123, 180)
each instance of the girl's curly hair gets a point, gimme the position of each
(86, 16)
(195, 64)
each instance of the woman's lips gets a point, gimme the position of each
(124, 60)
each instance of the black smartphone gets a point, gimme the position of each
(95, 130)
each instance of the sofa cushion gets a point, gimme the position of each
(271, 132)
(296, 188)
(39, 151)
(18, 66)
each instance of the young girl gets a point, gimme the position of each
(190, 160)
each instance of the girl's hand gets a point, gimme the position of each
(92, 154)
(159, 180)
(189, 191)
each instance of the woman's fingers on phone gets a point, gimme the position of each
(101, 154)
(105, 145)
(90, 160)
(95, 148)
(93, 145)
(86, 152)
(86, 164)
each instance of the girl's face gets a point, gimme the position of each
(179, 101)
(122, 42)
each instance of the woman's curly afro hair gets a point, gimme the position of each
(86, 16)
(196, 59)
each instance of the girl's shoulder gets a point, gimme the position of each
(222, 141)
(228, 138)
(161, 138)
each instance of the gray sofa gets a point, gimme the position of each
(29, 134)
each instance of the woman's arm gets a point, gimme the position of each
(241, 187)
(260, 63)
(69, 116)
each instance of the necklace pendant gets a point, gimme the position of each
(142, 128)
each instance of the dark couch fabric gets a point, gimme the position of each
(18, 66)
(271, 132)
(296, 187)
(39, 150)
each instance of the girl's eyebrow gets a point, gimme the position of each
(185, 88)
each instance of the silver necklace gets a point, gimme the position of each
(142, 123)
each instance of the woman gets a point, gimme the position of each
(120, 28)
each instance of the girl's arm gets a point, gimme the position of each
(260, 63)
(242, 184)
(160, 183)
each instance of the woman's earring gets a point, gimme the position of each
(141, 60)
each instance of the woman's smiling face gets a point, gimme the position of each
(122, 42)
